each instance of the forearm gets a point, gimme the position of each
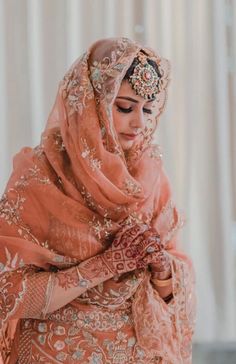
(73, 282)
(41, 293)
(163, 291)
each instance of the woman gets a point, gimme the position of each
(90, 271)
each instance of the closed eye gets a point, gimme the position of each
(147, 111)
(124, 110)
(129, 109)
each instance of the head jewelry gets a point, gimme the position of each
(145, 81)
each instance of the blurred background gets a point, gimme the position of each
(39, 40)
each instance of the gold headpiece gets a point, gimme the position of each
(145, 81)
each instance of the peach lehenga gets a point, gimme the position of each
(64, 202)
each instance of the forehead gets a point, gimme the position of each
(126, 90)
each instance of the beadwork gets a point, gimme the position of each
(144, 80)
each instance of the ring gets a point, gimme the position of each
(150, 249)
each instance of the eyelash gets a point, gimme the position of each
(128, 110)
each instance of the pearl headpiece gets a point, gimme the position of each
(145, 81)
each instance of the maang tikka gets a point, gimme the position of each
(145, 81)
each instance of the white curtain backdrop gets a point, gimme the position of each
(39, 39)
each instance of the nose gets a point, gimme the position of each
(138, 120)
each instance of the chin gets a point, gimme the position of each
(127, 145)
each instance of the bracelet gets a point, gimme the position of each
(162, 283)
(161, 275)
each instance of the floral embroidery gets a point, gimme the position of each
(131, 188)
(77, 343)
(133, 218)
(10, 212)
(168, 222)
(38, 151)
(76, 88)
(155, 152)
(11, 262)
(112, 294)
(101, 229)
(9, 298)
(89, 154)
(32, 173)
(92, 204)
(108, 68)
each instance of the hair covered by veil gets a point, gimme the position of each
(83, 114)
(79, 178)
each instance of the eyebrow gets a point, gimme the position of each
(131, 99)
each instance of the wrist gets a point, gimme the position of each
(107, 262)
(95, 269)
(162, 283)
(161, 275)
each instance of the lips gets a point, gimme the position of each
(129, 136)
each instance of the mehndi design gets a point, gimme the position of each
(129, 248)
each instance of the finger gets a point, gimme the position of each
(132, 233)
(140, 247)
(150, 258)
(140, 264)
(123, 232)
(152, 233)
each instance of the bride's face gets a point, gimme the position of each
(130, 114)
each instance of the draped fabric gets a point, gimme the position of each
(39, 39)
(63, 204)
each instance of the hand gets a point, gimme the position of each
(130, 247)
(159, 263)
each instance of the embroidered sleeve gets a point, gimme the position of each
(114, 292)
(38, 294)
(24, 294)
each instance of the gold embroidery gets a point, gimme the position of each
(11, 262)
(131, 188)
(38, 151)
(113, 294)
(101, 229)
(76, 88)
(89, 154)
(32, 173)
(133, 218)
(10, 212)
(108, 68)
(155, 152)
(77, 339)
(9, 297)
(169, 221)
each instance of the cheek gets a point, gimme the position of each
(118, 120)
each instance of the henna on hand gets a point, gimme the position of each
(67, 278)
(160, 264)
(94, 268)
(129, 247)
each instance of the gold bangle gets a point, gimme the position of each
(162, 283)
(161, 275)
